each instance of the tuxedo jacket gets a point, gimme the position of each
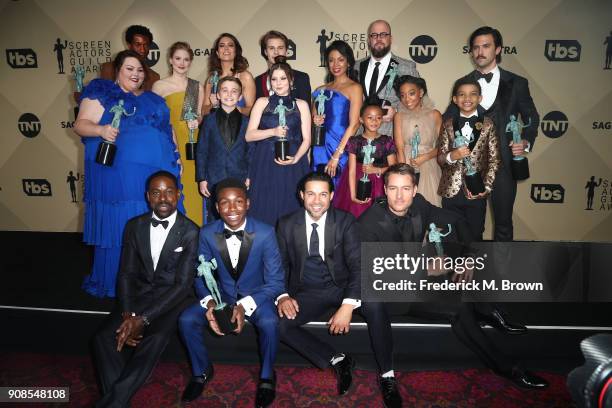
(301, 86)
(377, 224)
(484, 154)
(215, 160)
(342, 250)
(513, 98)
(152, 292)
(259, 272)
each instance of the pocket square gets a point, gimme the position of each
(179, 249)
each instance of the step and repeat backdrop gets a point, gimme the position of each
(561, 47)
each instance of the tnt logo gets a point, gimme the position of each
(29, 125)
(547, 193)
(153, 55)
(423, 49)
(562, 50)
(36, 187)
(21, 58)
(291, 51)
(554, 124)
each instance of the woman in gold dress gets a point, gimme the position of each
(184, 97)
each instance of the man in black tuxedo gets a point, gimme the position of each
(274, 44)
(320, 251)
(404, 217)
(503, 94)
(154, 285)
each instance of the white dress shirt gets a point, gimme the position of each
(382, 69)
(158, 236)
(489, 89)
(465, 131)
(233, 247)
(321, 232)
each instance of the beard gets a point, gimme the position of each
(380, 53)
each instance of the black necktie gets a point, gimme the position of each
(228, 234)
(373, 82)
(313, 249)
(487, 77)
(155, 222)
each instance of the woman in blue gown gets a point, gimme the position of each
(273, 182)
(145, 144)
(344, 97)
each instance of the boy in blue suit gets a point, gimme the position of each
(222, 151)
(249, 274)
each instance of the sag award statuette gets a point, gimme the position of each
(318, 131)
(281, 145)
(519, 164)
(214, 84)
(222, 311)
(414, 143)
(364, 186)
(190, 146)
(435, 237)
(107, 150)
(392, 74)
(473, 180)
(79, 76)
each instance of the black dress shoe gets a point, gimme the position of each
(344, 373)
(266, 392)
(499, 321)
(527, 379)
(196, 385)
(390, 393)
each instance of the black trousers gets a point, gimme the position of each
(122, 373)
(473, 211)
(464, 322)
(502, 204)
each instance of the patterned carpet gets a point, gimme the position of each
(234, 386)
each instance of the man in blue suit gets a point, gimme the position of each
(249, 274)
(222, 151)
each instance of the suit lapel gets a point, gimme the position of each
(417, 224)
(222, 248)
(385, 76)
(171, 243)
(144, 243)
(330, 240)
(241, 131)
(363, 69)
(245, 247)
(299, 238)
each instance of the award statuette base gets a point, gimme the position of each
(106, 153)
(364, 189)
(190, 150)
(223, 316)
(281, 149)
(474, 183)
(318, 136)
(520, 168)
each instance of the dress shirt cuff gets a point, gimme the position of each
(354, 302)
(249, 305)
(528, 148)
(205, 301)
(280, 297)
(449, 160)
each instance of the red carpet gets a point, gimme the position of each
(234, 386)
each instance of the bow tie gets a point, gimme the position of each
(155, 222)
(487, 77)
(471, 120)
(228, 234)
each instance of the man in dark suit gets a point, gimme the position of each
(154, 286)
(274, 44)
(320, 250)
(404, 217)
(373, 72)
(503, 94)
(249, 275)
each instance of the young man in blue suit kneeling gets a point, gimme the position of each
(249, 275)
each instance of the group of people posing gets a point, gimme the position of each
(380, 128)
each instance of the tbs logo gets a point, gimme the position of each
(423, 49)
(29, 125)
(562, 50)
(547, 193)
(21, 58)
(291, 50)
(554, 124)
(36, 187)
(153, 55)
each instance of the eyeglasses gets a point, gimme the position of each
(382, 36)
